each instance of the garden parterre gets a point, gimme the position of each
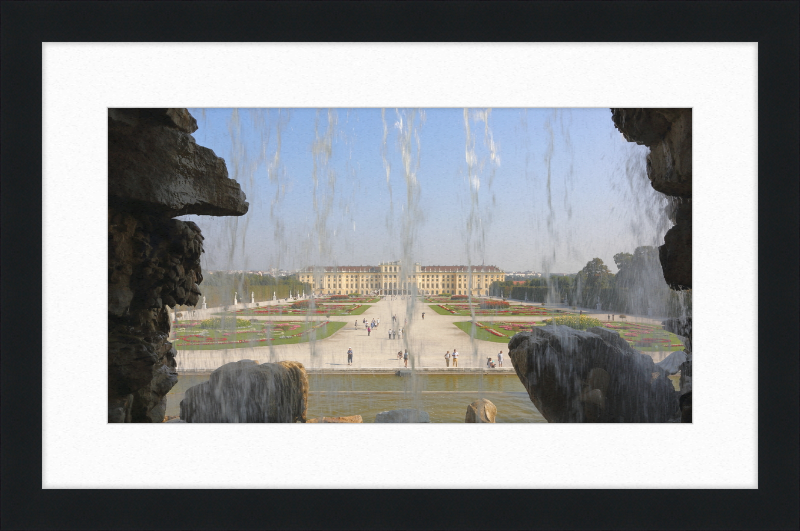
(643, 337)
(191, 335)
(458, 308)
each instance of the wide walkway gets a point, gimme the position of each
(426, 340)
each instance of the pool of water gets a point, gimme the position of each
(444, 397)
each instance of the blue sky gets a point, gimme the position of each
(546, 189)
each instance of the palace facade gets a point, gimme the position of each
(393, 278)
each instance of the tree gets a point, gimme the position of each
(592, 280)
(622, 260)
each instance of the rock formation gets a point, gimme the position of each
(683, 328)
(668, 134)
(402, 415)
(590, 376)
(481, 410)
(155, 171)
(245, 391)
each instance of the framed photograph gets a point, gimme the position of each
(721, 454)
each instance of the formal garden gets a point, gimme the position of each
(222, 332)
(642, 337)
(459, 306)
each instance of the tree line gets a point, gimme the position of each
(638, 287)
(218, 288)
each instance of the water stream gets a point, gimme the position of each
(310, 176)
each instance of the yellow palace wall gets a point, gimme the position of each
(391, 278)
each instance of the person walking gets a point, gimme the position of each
(349, 355)
(447, 359)
(500, 359)
(423, 316)
(355, 324)
(368, 330)
(405, 358)
(390, 333)
(455, 358)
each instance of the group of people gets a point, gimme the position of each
(369, 326)
(447, 357)
(393, 334)
(489, 363)
(453, 356)
(404, 356)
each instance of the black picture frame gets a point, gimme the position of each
(774, 25)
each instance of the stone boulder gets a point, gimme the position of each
(402, 415)
(155, 164)
(352, 419)
(481, 410)
(244, 391)
(590, 376)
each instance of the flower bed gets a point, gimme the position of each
(647, 337)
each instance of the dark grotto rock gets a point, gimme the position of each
(676, 253)
(245, 391)
(154, 164)
(156, 171)
(590, 376)
(668, 134)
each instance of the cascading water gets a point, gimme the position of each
(332, 165)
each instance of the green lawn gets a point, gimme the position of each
(480, 333)
(254, 336)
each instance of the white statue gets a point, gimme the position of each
(273, 296)
(252, 297)
(235, 293)
(204, 302)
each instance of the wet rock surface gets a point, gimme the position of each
(402, 415)
(590, 376)
(156, 171)
(245, 391)
(481, 410)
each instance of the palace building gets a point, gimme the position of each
(392, 278)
